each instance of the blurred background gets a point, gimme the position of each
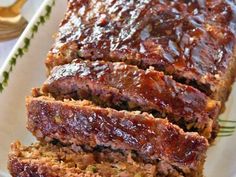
(14, 16)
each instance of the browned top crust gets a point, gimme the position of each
(80, 123)
(191, 40)
(117, 84)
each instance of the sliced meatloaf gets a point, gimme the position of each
(194, 41)
(124, 86)
(47, 160)
(81, 123)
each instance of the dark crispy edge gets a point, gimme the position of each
(223, 89)
(225, 83)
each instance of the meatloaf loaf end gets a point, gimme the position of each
(47, 160)
(194, 41)
(123, 86)
(81, 123)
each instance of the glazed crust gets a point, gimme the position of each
(193, 42)
(123, 86)
(76, 122)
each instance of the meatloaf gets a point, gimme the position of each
(126, 87)
(81, 123)
(47, 160)
(194, 41)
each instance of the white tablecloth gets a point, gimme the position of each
(28, 11)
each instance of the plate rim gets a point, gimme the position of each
(41, 16)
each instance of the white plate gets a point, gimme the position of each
(29, 71)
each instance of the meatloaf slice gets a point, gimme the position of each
(124, 86)
(81, 123)
(194, 41)
(47, 160)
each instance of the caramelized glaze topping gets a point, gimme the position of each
(190, 38)
(148, 89)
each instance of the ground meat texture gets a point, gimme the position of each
(81, 123)
(122, 86)
(194, 41)
(47, 160)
